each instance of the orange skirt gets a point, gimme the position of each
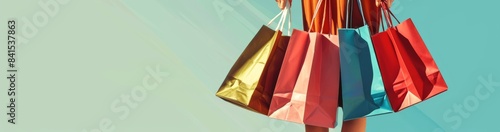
(335, 10)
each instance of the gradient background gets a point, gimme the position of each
(81, 57)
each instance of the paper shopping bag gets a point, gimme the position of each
(308, 85)
(250, 82)
(363, 92)
(408, 70)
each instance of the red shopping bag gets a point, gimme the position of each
(308, 85)
(307, 88)
(408, 70)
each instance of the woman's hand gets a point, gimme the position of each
(282, 3)
(389, 2)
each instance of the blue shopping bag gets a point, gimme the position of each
(363, 92)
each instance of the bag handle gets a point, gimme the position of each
(283, 15)
(387, 14)
(315, 14)
(349, 12)
(289, 13)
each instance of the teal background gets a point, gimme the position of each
(91, 52)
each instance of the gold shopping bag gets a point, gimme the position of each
(250, 82)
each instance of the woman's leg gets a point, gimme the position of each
(356, 125)
(310, 128)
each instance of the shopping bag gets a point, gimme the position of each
(362, 87)
(408, 70)
(250, 82)
(307, 88)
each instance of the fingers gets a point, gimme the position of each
(388, 3)
(282, 3)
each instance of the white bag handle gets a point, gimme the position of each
(284, 13)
